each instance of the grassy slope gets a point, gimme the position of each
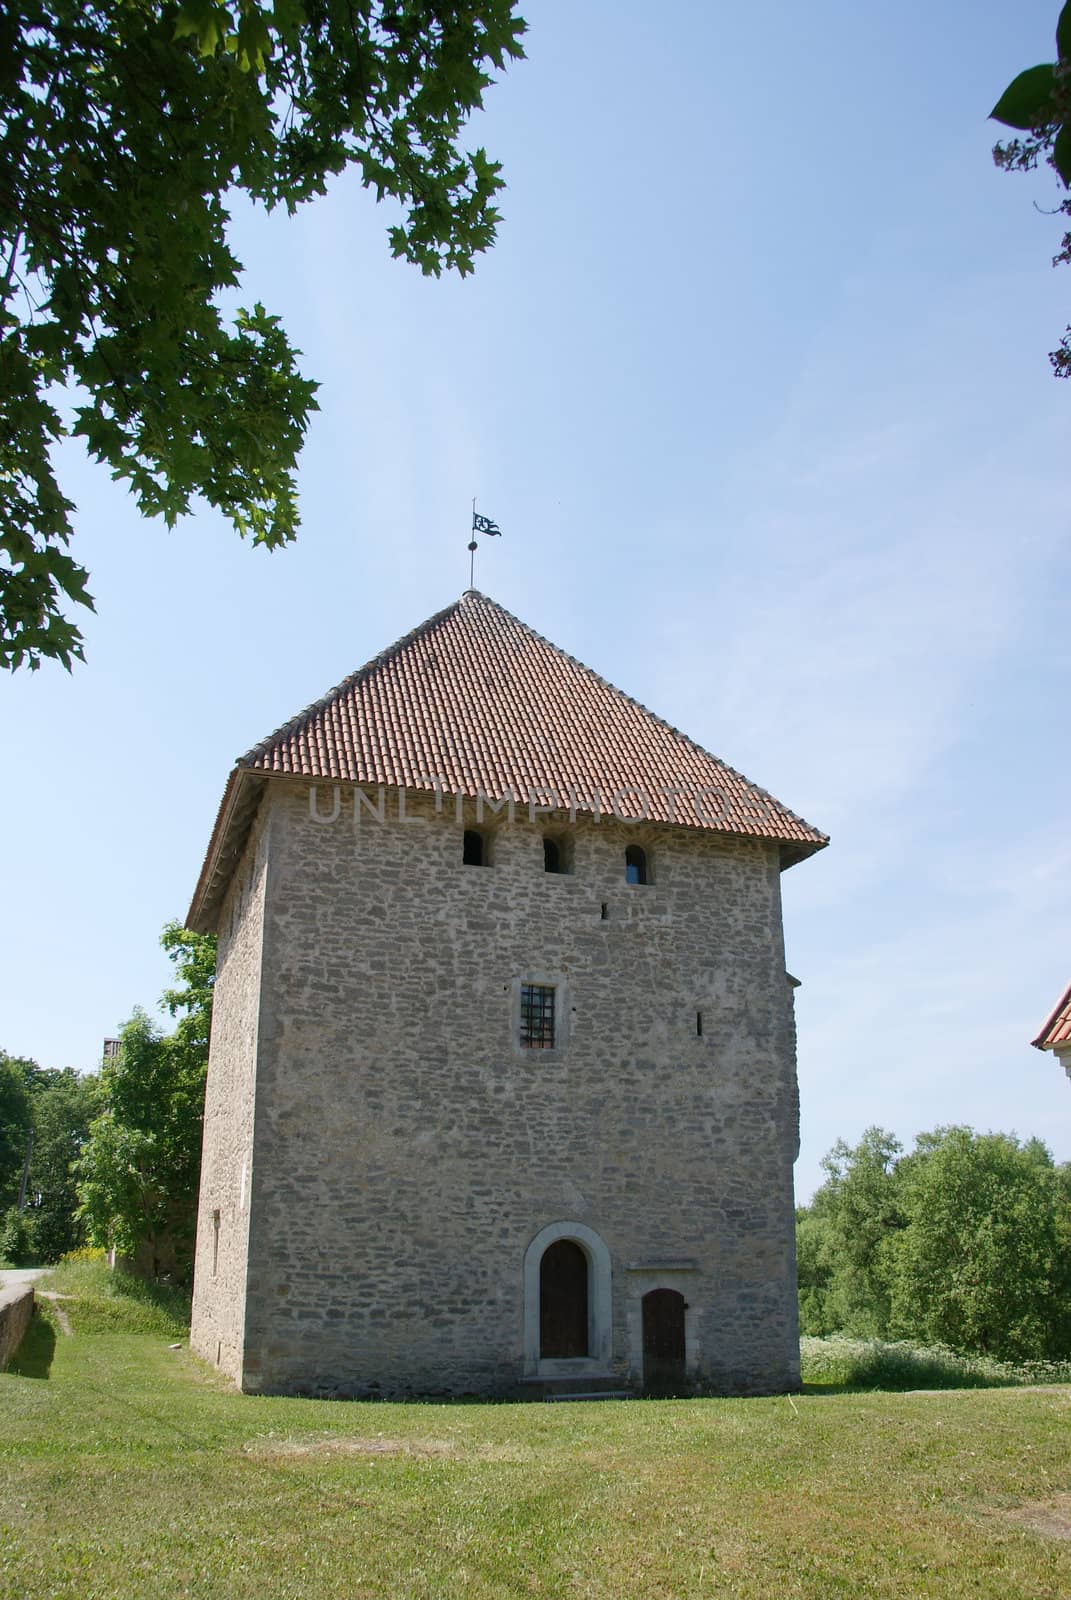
(129, 1471)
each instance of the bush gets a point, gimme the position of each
(845, 1363)
(99, 1300)
(16, 1239)
(85, 1252)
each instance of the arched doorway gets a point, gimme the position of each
(663, 1342)
(595, 1335)
(563, 1301)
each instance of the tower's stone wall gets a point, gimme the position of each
(221, 1263)
(408, 1151)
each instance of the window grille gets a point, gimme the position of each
(537, 1016)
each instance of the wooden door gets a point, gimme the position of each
(563, 1301)
(663, 1342)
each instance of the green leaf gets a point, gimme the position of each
(1027, 101)
(1063, 33)
(1061, 154)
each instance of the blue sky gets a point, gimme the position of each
(755, 382)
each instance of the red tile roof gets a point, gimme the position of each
(475, 698)
(1057, 1029)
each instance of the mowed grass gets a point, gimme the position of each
(131, 1470)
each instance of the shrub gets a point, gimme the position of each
(99, 1300)
(16, 1239)
(841, 1362)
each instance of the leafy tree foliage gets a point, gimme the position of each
(964, 1241)
(16, 1120)
(979, 1266)
(844, 1238)
(64, 1105)
(1038, 102)
(55, 1108)
(138, 1173)
(124, 124)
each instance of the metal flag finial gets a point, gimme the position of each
(479, 525)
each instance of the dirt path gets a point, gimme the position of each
(10, 1276)
(61, 1316)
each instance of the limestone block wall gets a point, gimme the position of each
(220, 1264)
(408, 1150)
(16, 1309)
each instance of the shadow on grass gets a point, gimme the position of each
(870, 1386)
(33, 1358)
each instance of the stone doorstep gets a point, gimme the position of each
(596, 1394)
(577, 1386)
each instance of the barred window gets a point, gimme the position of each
(537, 1016)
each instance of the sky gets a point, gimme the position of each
(755, 383)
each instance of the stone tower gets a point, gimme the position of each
(502, 1089)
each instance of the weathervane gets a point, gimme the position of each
(479, 525)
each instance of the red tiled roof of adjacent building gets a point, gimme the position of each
(1057, 1029)
(477, 700)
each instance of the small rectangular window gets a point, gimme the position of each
(537, 1016)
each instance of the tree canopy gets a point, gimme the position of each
(124, 126)
(138, 1172)
(1038, 103)
(17, 1073)
(44, 1119)
(962, 1241)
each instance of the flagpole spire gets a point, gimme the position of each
(472, 548)
(480, 525)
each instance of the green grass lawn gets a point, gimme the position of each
(127, 1469)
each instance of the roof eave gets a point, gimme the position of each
(236, 810)
(1044, 1040)
(793, 851)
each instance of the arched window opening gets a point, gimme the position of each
(635, 864)
(474, 849)
(563, 1301)
(557, 854)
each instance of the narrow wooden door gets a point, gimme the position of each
(663, 1342)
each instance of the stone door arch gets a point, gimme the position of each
(577, 1278)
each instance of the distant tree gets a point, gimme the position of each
(844, 1237)
(1038, 102)
(815, 1271)
(64, 1105)
(137, 1175)
(125, 127)
(979, 1265)
(965, 1241)
(17, 1073)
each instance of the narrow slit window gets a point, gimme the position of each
(474, 849)
(537, 1016)
(557, 854)
(699, 1024)
(604, 912)
(215, 1242)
